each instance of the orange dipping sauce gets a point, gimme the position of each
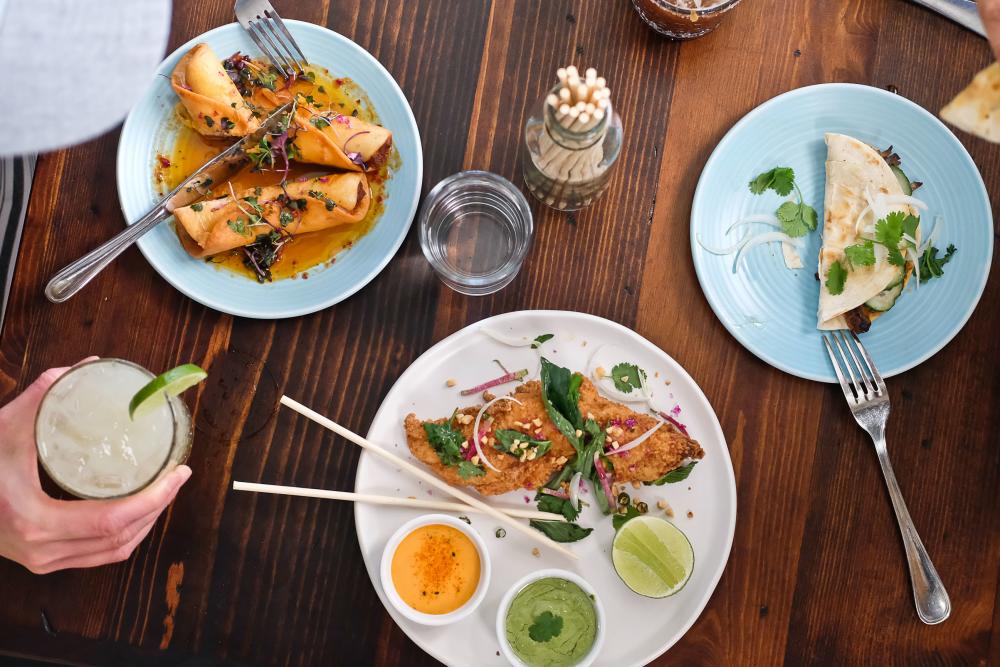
(436, 569)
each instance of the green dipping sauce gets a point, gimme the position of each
(560, 614)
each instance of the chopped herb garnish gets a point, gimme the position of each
(209, 121)
(197, 207)
(518, 444)
(835, 278)
(557, 531)
(239, 226)
(535, 344)
(796, 217)
(447, 443)
(931, 266)
(546, 626)
(675, 475)
(266, 78)
(285, 218)
(317, 194)
(319, 122)
(860, 254)
(227, 124)
(627, 377)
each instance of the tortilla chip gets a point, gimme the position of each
(977, 108)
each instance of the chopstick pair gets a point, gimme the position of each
(472, 503)
(417, 503)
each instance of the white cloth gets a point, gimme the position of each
(71, 69)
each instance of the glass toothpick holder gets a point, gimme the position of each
(567, 158)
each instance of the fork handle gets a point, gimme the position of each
(72, 278)
(929, 595)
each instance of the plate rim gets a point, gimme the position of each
(277, 312)
(719, 434)
(716, 155)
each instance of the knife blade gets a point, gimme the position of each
(963, 12)
(72, 278)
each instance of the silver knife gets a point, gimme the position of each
(962, 12)
(73, 277)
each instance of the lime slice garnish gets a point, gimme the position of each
(652, 556)
(171, 383)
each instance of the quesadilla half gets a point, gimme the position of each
(870, 233)
(977, 108)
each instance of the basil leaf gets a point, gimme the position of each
(674, 476)
(557, 531)
(561, 397)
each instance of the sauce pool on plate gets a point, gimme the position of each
(436, 569)
(551, 622)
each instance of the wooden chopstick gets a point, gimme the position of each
(416, 503)
(425, 476)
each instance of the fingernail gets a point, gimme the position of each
(182, 473)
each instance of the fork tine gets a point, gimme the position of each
(851, 400)
(274, 55)
(291, 40)
(846, 364)
(867, 384)
(879, 382)
(258, 35)
(280, 46)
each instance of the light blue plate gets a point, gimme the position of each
(149, 129)
(771, 310)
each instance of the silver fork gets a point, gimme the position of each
(269, 33)
(869, 401)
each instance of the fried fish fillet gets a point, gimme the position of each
(665, 450)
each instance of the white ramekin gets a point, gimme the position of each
(390, 588)
(519, 585)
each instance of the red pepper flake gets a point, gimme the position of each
(164, 161)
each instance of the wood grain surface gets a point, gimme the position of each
(817, 572)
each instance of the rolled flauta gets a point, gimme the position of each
(331, 139)
(217, 225)
(210, 97)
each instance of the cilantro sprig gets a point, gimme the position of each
(932, 266)
(627, 377)
(836, 276)
(546, 626)
(796, 217)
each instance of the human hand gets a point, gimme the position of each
(989, 10)
(45, 534)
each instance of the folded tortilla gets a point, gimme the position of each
(330, 139)
(977, 108)
(852, 168)
(217, 225)
(211, 98)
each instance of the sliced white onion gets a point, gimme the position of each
(761, 218)
(930, 237)
(912, 255)
(909, 200)
(574, 490)
(513, 341)
(475, 429)
(638, 441)
(761, 239)
(726, 250)
(791, 256)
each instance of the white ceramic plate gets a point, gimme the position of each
(639, 629)
(149, 130)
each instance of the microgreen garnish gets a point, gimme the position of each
(627, 377)
(835, 278)
(319, 122)
(239, 226)
(317, 194)
(546, 626)
(796, 218)
(931, 266)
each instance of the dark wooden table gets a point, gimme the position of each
(817, 573)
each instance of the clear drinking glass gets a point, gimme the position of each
(475, 230)
(682, 19)
(88, 444)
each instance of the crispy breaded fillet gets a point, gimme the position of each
(665, 450)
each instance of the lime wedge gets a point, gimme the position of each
(171, 383)
(652, 556)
